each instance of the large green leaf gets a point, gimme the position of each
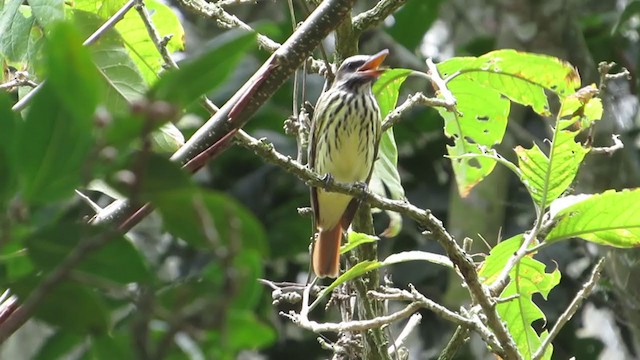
(481, 87)
(58, 345)
(69, 306)
(121, 79)
(199, 217)
(547, 177)
(610, 218)
(385, 175)
(14, 32)
(136, 40)
(527, 278)
(117, 261)
(57, 134)
(7, 157)
(47, 12)
(204, 72)
(139, 44)
(369, 265)
(522, 77)
(482, 122)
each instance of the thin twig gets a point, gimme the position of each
(440, 84)
(460, 336)
(352, 326)
(412, 323)
(375, 15)
(416, 99)
(609, 150)
(161, 45)
(575, 304)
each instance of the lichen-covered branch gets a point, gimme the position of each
(376, 15)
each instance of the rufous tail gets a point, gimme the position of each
(326, 252)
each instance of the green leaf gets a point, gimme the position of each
(167, 139)
(118, 260)
(68, 62)
(57, 134)
(385, 170)
(610, 218)
(387, 88)
(518, 76)
(355, 271)
(580, 110)
(139, 44)
(13, 257)
(527, 278)
(14, 32)
(203, 73)
(521, 312)
(248, 265)
(412, 21)
(546, 178)
(70, 306)
(47, 12)
(369, 265)
(196, 216)
(121, 80)
(247, 332)
(7, 157)
(58, 345)
(108, 346)
(355, 239)
(482, 122)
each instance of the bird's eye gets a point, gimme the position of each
(353, 66)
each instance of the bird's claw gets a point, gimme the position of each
(327, 180)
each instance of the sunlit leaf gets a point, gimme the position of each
(610, 218)
(355, 239)
(483, 87)
(527, 278)
(139, 44)
(47, 12)
(121, 79)
(547, 177)
(482, 122)
(385, 175)
(369, 265)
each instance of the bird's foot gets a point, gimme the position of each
(361, 186)
(327, 180)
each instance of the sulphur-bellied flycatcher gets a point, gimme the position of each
(345, 133)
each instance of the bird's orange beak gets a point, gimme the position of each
(371, 67)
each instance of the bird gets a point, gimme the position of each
(343, 146)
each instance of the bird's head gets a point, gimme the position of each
(360, 69)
